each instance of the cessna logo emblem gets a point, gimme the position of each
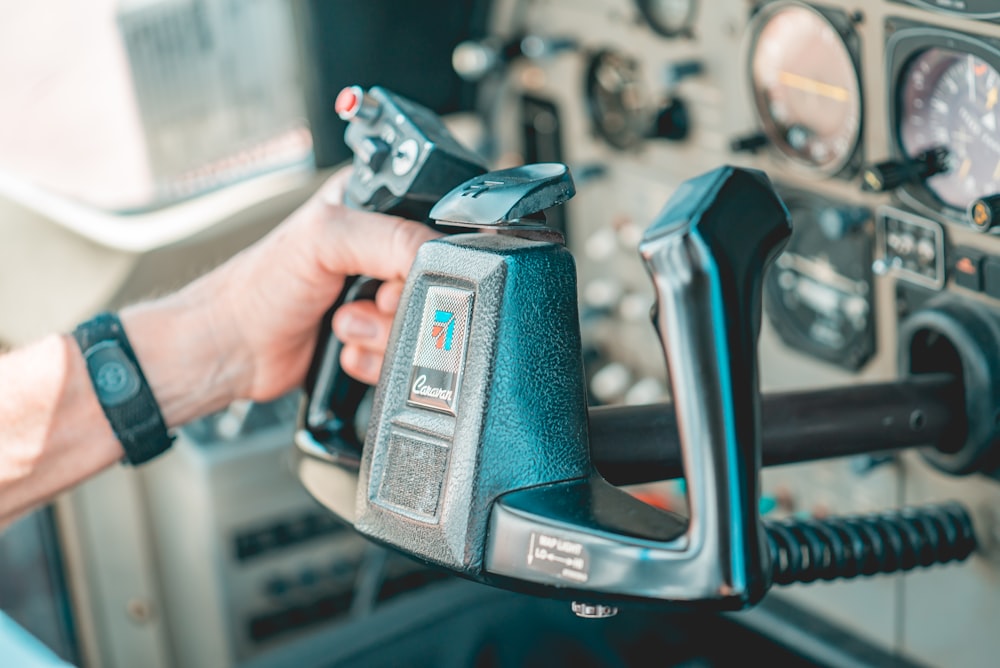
(443, 329)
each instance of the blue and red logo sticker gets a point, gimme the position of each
(443, 329)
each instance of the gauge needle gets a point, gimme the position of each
(963, 171)
(808, 85)
(991, 98)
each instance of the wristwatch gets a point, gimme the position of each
(121, 388)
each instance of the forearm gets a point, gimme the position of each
(194, 364)
(53, 432)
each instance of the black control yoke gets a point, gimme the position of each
(477, 456)
(405, 160)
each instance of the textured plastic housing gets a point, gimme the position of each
(521, 415)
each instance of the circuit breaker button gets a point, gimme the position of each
(968, 266)
(991, 277)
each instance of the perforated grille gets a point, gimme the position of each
(414, 475)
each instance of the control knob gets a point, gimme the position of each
(984, 213)
(891, 174)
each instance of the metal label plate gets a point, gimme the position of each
(436, 376)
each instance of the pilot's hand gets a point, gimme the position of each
(245, 330)
(280, 288)
(261, 309)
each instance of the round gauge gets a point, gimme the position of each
(819, 290)
(669, 18)
(806, 88)
(616, 99)
(952, 100)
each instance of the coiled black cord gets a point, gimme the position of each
(847, 547)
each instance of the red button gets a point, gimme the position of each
(348, 102)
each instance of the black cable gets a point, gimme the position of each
(805, 550)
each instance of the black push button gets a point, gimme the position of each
(991, 277)
(968, 268)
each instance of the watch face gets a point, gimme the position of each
(116, 379)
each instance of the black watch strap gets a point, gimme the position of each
(121, 388)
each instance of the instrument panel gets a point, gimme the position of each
(877, 122)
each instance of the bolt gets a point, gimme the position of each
(593, 610)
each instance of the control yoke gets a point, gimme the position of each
(478, 457)
(405, 160)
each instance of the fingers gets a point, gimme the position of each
(387, 298)
(364, 331)
(362, 324)
(332, 192)
(369, 244)
(361, 364)
(360, 242)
